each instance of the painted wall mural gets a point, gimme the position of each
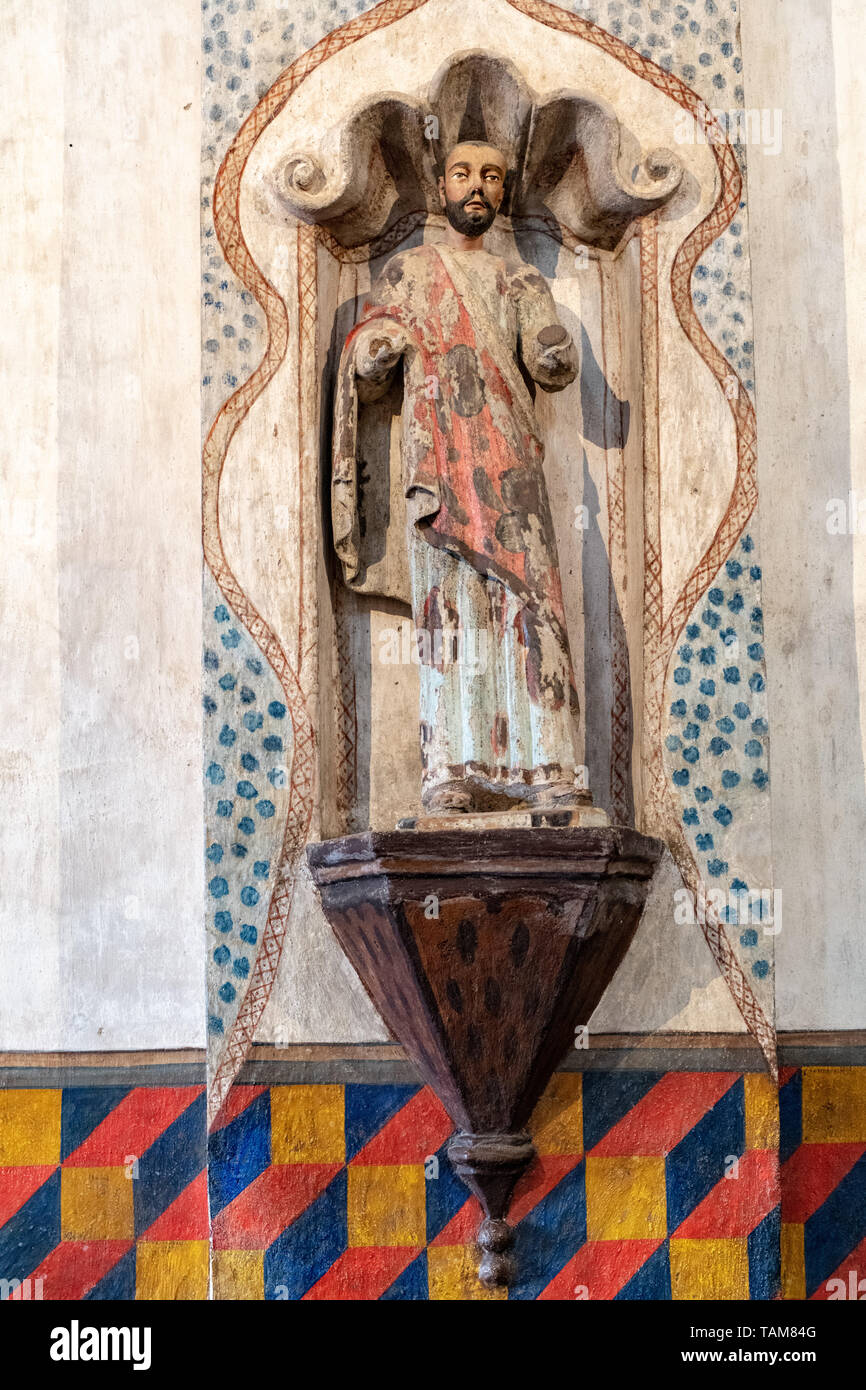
(702, 788)
(342, 1190)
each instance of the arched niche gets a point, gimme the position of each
(335, 172)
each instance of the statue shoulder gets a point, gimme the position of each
(525, 279)
(401, 269)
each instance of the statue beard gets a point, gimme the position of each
(471, 224)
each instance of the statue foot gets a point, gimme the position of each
(447, 799)
(564, 796)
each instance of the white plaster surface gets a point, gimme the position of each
(809, 286)
(101, 941)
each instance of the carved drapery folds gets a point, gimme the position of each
(574, 166)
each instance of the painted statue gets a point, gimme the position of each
(474, 336)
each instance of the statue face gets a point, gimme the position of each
(473, 187)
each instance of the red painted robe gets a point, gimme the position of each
(472, 453)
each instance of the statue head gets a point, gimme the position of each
(472, 186)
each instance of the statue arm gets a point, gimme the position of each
(546, 347)
(376, 351)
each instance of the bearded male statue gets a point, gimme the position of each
(474, 335)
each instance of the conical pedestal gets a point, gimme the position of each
(483, 951)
